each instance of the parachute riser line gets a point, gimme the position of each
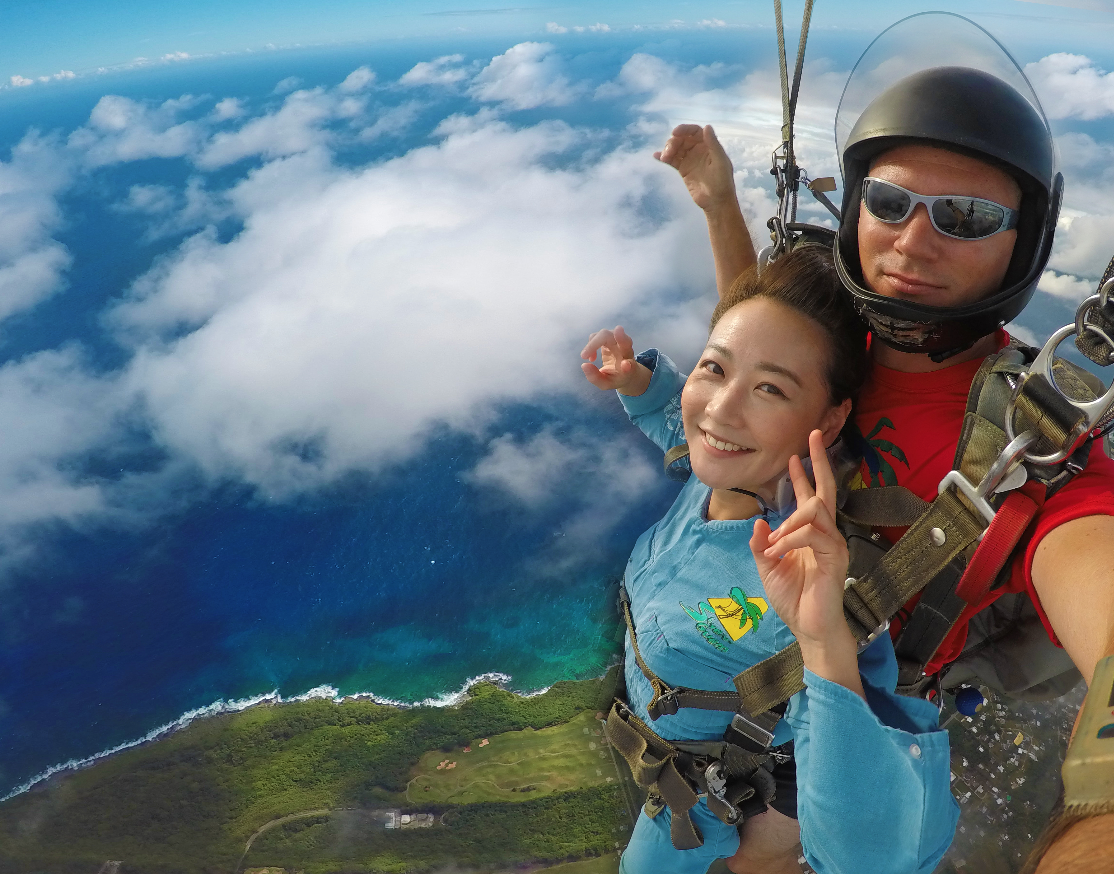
(784, 169)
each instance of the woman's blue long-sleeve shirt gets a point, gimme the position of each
(873, 776)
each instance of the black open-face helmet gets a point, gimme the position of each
(938, 79)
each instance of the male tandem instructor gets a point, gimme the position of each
(950, 203)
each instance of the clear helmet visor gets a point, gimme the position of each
(922, 42)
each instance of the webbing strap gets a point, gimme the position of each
(772, 680)
(660, 767)
(944, 532)
(671, 455)
(999, 542)
(1042, 408)
(885, 507)
(668, 699)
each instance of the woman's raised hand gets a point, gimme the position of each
(803, 564)
(618, 369)
(697, 155)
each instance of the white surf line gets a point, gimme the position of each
(218, 708)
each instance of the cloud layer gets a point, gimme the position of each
(360, 307)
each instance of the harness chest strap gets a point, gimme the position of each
(668, 699)
(1055, 423)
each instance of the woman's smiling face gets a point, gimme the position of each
(758, 391)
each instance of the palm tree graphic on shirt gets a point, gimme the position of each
(875, 470)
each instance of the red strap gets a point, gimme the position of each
(1010, 522)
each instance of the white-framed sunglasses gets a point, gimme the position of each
(953, 215)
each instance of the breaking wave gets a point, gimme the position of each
(217, 708)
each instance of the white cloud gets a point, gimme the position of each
(358, 309)
(1023, 334)
(20, 81)
(446, 70)
(176, 56)
(540, 469)
(285, 86)
(296, 127)
(171, 212)
(1065, 286)
(393, 122)
(60, 413)
(1071, 86)
(358, 80)
(228, 108)
(61, 74)
(526, 76)
(32, 264)
(599, 28)
(532, 471)
(711, 22)
(594, 480)
(121, 129)
(554, 27)
(150, 199)
(1083, 244)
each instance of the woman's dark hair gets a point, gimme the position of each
(805, 280)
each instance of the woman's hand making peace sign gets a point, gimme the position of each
(803, 566)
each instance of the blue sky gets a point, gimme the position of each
(45, 37)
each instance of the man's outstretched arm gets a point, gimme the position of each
(706, 170)
(1073, 573)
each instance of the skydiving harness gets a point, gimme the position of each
(1029, 426)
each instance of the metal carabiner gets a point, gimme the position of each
(1094, 410)
(999, 477)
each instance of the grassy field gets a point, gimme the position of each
(516, 765)
(189, 803)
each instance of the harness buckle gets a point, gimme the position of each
(999, 477)
(780, 756)
(665, 705)
(715, 777)
(873, 636)
(1095, 411)
(745, 733)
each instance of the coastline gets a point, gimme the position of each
(222, 707)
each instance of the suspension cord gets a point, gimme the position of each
(785, 168)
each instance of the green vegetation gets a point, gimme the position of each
(190, 802)
(516, 765)
(559, 827)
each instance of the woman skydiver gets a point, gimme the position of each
(870, 781)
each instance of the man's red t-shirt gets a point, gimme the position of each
(911, 422)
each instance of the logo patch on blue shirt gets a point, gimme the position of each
(737, 615)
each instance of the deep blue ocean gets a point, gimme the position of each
(405, 584)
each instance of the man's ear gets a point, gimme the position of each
(834, 420)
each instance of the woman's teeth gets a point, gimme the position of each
(719, 444)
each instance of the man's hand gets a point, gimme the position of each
(618, 369)
(803, 566)
(696, 154)
(706, 170)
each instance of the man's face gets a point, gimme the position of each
(915, 262)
